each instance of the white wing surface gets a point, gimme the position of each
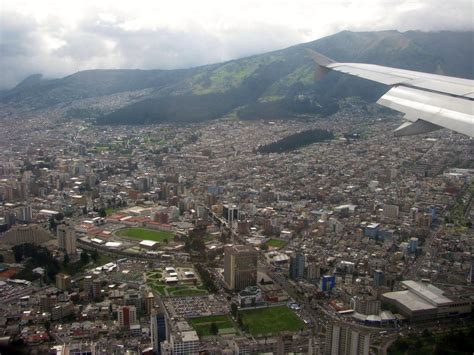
(429, 101)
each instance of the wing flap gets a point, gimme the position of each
(417, 127)
(450, 112)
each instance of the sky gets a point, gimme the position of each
(60, 37)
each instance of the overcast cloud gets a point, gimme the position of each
(60, 37)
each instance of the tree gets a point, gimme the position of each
(214, 328)
(95, 255)
(234, 310)
(240, 323)
(84, 258)
(66, 260)
(52, 224)
(426, 334)
(102, 213)
(47, 325)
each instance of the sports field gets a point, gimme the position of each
(271, 320)
(202, 325)
(276, 243)
(148, 234)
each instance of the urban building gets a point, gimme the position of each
(297, 263)
(25, 214)
(365, 306)
(22, 234)
(250, 297)
(127, 315)
(158, 330)
(63, 281)
(379, 278)
(184, 342)
(61, 310)
(328, 282)
(413, 245)
(240, 266)
(96, 288)
(470, 277)
(342, 339)
(230, 213)
(66, 238)
(423, 301)
(390, 211)
(313, 271)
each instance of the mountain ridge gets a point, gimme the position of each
(277, 84)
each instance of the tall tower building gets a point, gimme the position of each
(240, 266)
(63, 281)
(96, 288)
(127, 315)
(313, 271)
(297, 262)
(470, 278)
(344, 340)
(88, 284)
(66, 238)
(158, 330)
(379, 278)
(25, 214)
(230, 213)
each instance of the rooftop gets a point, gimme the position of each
(410, 300)
(428, 292)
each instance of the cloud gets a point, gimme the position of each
(58, 38)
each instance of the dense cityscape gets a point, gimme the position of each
(183, 239)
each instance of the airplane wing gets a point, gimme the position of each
(429, 101)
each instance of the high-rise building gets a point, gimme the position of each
(390, 211)
(230, 213)
(365, 306)
(25, 214)
(185, 342)
(158, 330)
(61, 310)
(342, 339)
(63, 281)
(96, 288)
(134, 299)
(297, 262)
(127, 315)
(328, 282)
(88, 279)
(379, 278)
(66, 238)
(149, 302)
(413, 245)
(21, 234)
(47, 302)
(240, 266)
(423, 220)
(313, 271)
(470, 278)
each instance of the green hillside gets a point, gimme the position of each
(278, 84)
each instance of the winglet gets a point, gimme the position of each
(319, 58)
(322, 63)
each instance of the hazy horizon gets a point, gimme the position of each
(56, 39)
